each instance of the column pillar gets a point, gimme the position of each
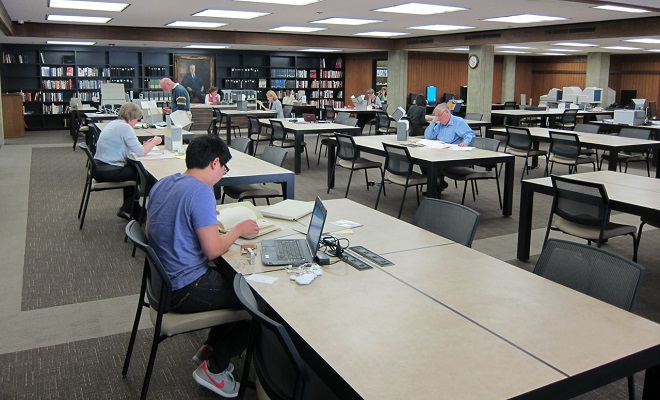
(509, 79)
(480, 81)
(598, 74)
(397, 79)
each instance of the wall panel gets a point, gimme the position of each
(359, 75)
(448, 72)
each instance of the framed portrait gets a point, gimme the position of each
(196, 74)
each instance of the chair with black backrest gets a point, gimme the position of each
(213, 126)
(472, 175)
(474, 116)
(453, 221)
(341, 117)
(91, 138)
(79, 126)
(567, 120)
(329, 113)
(509, 105)
(626, 157)
(222, 125)
(519, 143)
(383, 126)
(281, 371)
(241, 144)
(594, 272)
(252, 191)
(588, 128)
(582, 209)
(158, 288)
(91, 185)
(145, 181)
(532, 121)
(348, 156)
(256, 133)
(323, 138)
(399, 170)
(287, 110)
(565, 149)
(279, 138)
(653, 220)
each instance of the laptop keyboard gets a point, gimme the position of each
(288, 249)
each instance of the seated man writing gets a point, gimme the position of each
(182, 228)
(448, 128)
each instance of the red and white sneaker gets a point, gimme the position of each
(222, 383)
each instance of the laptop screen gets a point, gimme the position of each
(315, 229)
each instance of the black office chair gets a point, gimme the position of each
(348, 156)
(329, 113)
(145, 181)
(594, 272)
(383, 124)
(241, 144)
(399, 170)
(567, 120)
(453, 221)
(221, 124)
(256, 133)
(158, 288)
(281, 370)
(582, 209)
(625, 157)
(279, 138)
(519, 143)
(252, 191)
(287, 111)
(565, 149)
(78, 126)
(323, 138)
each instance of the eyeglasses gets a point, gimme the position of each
(226, 168)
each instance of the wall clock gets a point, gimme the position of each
(473, 61)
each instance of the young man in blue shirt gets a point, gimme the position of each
(182, 228)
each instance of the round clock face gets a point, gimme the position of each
(473, 61)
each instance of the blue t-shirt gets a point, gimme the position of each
(178, 205)
(455, 132)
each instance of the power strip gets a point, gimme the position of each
(355, 262)
(371, 256)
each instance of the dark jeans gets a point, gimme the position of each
(111, 173)
(213, 291)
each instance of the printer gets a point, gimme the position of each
(629, 117)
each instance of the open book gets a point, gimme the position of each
(231, 215)
(289, 209)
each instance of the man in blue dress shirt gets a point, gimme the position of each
(448, 128)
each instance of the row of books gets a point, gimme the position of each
(53, 96)
(156, 71)
(325, 94)
(58, 84)
(283, 72)
(338, 63)
(158, 96)
(90, 84)
(128, 83)
(122, 71)
(15, 58)
(152, 83)
(283, 83)
(327, 84)
(88, 96)
(29, 97)
(90, 71)
(56, 71)
(245, 72)
(320, 103)
(242, 83)
(55, 109)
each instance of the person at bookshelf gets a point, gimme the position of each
(417, 115)
(115, 143)
(274, 104)
(193, 84)
(213, 97)
(182, 228)
(180, 97)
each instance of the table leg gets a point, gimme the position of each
(432, 181)
(228, 122)
(298, 152)
(288, 188)
(509, 172)
(331, 164)
(652, 383)
(525, 221)
(613, 161)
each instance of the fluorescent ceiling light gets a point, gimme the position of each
(195, 24)
(346, 21)
(284, 2)
(524, 19)
(565, 50)
(513, 51)
(420, 9)
(460, 49)
(442, 28)
(551, 54)
(70, 42)
(621, 48)
(88, 5)
(644, 40)
(299, 29)
(321, 50)
(622, 9)
(516, 47)
(77, 18)
(575, 44)
(230, 14)
(654, 50)
(381, 34)
(205, 46)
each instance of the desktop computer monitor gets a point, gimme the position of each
(592, 95)
(431, 95)
(448, 96)
(555, 94)
(653, 110)
(639, 103)
(627, 96)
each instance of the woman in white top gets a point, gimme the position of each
(213, 97)
(115, 143)
(274, 104)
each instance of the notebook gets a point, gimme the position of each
(296, 251)
(309, 117)
(288, 209)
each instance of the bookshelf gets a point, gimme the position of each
(49, 76)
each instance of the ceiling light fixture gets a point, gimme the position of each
(441, 27)
(551, 54)
(516, 47)
(213, 13)
(525, 19)
(195, 24)
(78, 18)
(513, 51)
(575, 44)
(346, 21)
(321, 50)
(381, 34)
(299, 29)
(459, 49)
(621, 9)
(283, 2)
(621, 48)
(88, 5)
(643, 40)
(205, 46)
(420, 9)
(70, 43)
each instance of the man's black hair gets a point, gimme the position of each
(204, 149)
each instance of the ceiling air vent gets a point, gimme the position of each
(420, 41)
(588, 29)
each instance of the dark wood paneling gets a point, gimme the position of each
(448, 72)
(359, 75)
(636, 72)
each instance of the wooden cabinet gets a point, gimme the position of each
(12, 115)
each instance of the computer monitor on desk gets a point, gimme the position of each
(359, 102)
(652, 110)
(639, 103)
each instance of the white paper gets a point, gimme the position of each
(267, 279)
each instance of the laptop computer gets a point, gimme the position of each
(309, 117)
(359, 102)
(296, 251)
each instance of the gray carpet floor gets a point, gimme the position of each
(64, 265)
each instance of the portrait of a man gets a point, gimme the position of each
(195, 74)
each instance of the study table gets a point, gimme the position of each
(243, 169)
(301, 128)
(228, 114)
(446, 321)
(612, 143)
(435, 160)
(632, 194)
(551, 114)
(142, 133)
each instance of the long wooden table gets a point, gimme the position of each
(243, 169)
(435, 160)
(550, 114)
(301, 128)
(632, 194)
(448, 322)
(612, 143)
